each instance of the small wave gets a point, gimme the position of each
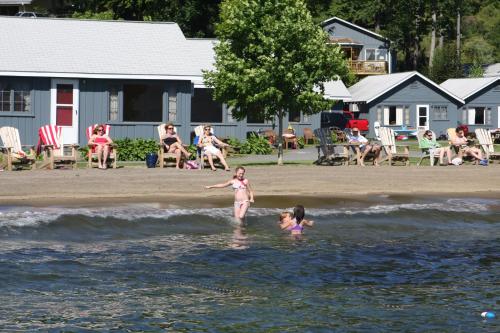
(16, 217)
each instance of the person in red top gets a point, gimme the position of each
(101, 142)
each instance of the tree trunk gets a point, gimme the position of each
(416, 45)
(433, 38)
(458, 39)
(280, 137)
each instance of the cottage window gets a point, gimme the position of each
(477, 116)
(142, 102)
(172, 107)
(230, 118)
(4, 100)
(370, 54)
(381, 54)
(294, 116)
(15, 101)
(204, 108)
(393, 115)
(439, 112)
(255, 117)
(113, 103)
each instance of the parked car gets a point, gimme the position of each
(343, 120)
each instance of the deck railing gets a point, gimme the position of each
(368, 67)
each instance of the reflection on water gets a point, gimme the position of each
(419, 266)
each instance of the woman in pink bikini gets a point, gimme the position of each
(243, 194)
(101, 142)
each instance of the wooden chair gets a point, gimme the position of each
(388, 139)
(92, 155)
(165, 158)
(309, 135)
(355, 147)
(332, 153)
(486, 142)
(13, 153)
(271, 136)
(198, 131)
(431, 154)
(55, 153)
(288, 138)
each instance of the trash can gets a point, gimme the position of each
(151, 159)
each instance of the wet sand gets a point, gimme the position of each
(310, 185)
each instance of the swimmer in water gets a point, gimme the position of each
(295, 222)
(243, 194)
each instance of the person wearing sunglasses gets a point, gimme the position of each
(101, 142)
(172, 144)
(429, 142)
(207, 142)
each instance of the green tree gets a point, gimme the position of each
(444, 64)
(195, 17)
(269, 58)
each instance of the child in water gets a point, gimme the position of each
(243, 194)
(295, 222)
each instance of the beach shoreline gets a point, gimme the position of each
(273, 185)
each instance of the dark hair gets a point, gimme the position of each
(169, 124)
(236, 171)
(458, 129)
(427, 132)
(299, 213)
(97, 128)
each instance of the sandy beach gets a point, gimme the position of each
(312, 184)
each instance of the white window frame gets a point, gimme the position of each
(426, 126)
(374, 54)
(471, 113)
(399, 115)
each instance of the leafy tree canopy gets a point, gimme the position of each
(270, 56)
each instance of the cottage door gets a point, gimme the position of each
(422, 117)
(64, 108)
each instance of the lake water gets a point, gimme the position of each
(390, 266)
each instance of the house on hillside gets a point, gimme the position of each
(131, 75)
(12, 7)
(406, 99)
(368, 53)
(482, 100)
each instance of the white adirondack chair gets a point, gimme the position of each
(54, 151)
(165, 157)
(12, 149)
(388, 141)
(486, 142)
(198, 131)
(426, 152)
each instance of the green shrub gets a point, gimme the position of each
(193, 150)
(130, 149)
(256, 145)
(334, 137)
(235, 143)
(301, 142)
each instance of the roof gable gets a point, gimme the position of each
(355, 26)
(91, 48)
(372, 87)
(466, 87)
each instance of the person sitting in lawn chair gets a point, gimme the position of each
(364, 146)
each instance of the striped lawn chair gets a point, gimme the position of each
(55, 153)
(13, 153)
(92, 155)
